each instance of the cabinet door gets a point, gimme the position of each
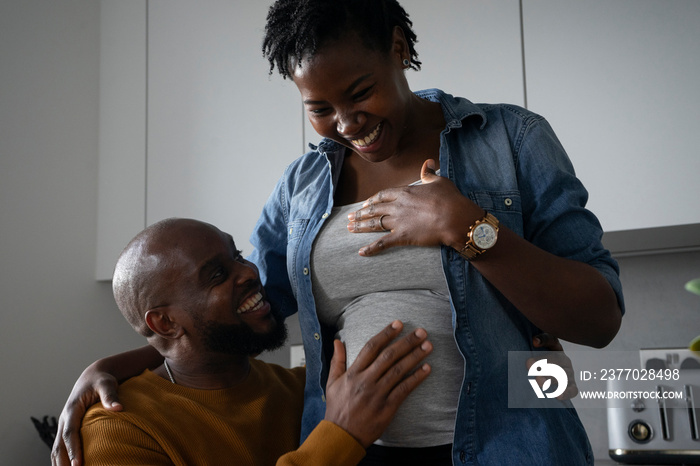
(191, 123)
(618, 80)
(469, 48)
(220, 131)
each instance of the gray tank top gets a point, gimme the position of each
(362, 295)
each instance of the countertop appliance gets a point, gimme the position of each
(653, 412)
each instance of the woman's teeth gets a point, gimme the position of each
(369, 139)
(252, 304)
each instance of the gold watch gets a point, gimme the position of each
(482, 236)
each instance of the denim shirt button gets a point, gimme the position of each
(323, 398)
(462, 457)
(325, 215)
(317, 336)
(306, 271)
(508, 202)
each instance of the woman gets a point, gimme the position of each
(547, 269)
(465, 219)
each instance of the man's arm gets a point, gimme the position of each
(361, 401)
(110, 441)
(98, 382)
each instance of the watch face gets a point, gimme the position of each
(484, 236)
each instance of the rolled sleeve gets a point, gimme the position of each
(554, 204)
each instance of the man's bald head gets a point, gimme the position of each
(145, 269)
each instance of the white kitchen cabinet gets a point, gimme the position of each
(469, 48)
(191, 124)
(618, 81)
(209, 133)
(220, 131)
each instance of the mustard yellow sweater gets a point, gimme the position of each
(256, 422)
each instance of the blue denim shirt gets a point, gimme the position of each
(509, 161)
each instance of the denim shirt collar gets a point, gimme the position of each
(454, 110)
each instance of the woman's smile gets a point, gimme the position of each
(366, 143)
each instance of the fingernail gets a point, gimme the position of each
(351, 216)
(395, 324)
(425, 346)
(538, 341)
(420, 333)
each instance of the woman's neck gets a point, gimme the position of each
(360, 179)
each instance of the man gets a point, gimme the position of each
(184, 286)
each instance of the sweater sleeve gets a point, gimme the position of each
(111, 441)
(327, 444)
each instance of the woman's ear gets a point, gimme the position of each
(399, 45)
(160, 322)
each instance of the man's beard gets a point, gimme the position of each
(240, 338)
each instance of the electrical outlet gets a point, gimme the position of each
(297, 356)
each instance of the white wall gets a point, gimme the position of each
(54, 318)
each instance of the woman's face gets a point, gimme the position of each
(356, 96)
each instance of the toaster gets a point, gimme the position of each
(653, 412)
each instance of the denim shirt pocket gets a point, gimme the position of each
(295, 232)
(506, 206)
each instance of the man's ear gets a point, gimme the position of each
(160, 322)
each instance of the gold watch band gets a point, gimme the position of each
(471, 251)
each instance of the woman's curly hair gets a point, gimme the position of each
(298, 28)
